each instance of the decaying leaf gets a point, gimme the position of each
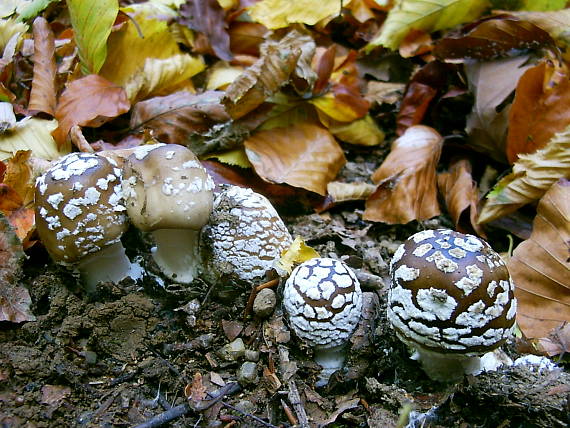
(281, 13)
(42, 97)
(341, 192)
(89, 101)
(406, 180)
(92, 23)
(540, 266)
(531, 177)
(32, 134)
(540, 109)
(304, 155)
(297, 253)
(430, 16)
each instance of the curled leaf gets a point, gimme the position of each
(540, 266)
(298, 252)
(406, 180)
(42, 97)
(341, 192)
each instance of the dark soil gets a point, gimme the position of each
(133, 351)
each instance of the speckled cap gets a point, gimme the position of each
(450, 293)
(79, 206)
(323, 302)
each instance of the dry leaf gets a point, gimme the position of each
(32, 134)
(42, 97)
(281, 13)
(531, 177)
(304, 155)
(342, 192)
(297, 253)
(89, 101)
(540, 266)
(362, 132)
(407, 185)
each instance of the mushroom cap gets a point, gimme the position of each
(244, 235)
(79, 206)
(450, 293)
(323, 302)
(166, 187)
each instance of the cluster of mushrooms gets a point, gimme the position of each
(451, 296)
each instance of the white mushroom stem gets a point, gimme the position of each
(109, 264)
(331, 360)
(447, 367)
(176, 253)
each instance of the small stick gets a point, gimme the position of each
(289, 413)
(295, 400)
(253, 294)
(249, 415)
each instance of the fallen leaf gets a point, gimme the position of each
(540, 109)
(297, 253)
(33, 134)
(89, 101)
(221, 74)
(92, 23)
(196, 392)
(232, 329)
(425, 15)
(54, 394)
(43, 94)
(557, 343)
(304, 155)
(406, 180)
(361, 132)
(341, 192)
(540, 266)
(246, 37)
(531, 177)
(207, 17)
(384, 92)
(236, 157)
(281, 13)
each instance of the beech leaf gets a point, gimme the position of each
(540, 266)
(531, 177)
(42, 97)
(427, 15)
(303, 155)
(32, 134)
(92, 22)
(297, 253)
(406, 180)
(89, 101)
(282, 13)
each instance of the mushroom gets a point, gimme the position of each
(451, 298)
(169, 194)
(80, 217)
(243, 237)
(323, 303)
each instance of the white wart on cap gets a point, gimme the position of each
(243, 237)
(80, 217)
(169, 193)
(323, 302)
(451, 298)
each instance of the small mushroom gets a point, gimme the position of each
(323, 303)
(168, 193)
(80, 217)
(451, 298)
(243, 237)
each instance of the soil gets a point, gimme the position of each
(133, 351)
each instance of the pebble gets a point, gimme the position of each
(251, 355)
(264, 303)
(247, 373)
(232, 351)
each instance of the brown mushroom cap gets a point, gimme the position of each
(450, 293)
(79, 207)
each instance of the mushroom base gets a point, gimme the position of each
(176, 253)
(109, 264)
(331, 360)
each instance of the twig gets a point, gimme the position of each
(289, 413)
(253, 294)
(249, 415)
(295, 400)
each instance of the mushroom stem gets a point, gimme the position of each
(331, 360)
(109, 264)
(447, 367)
(176, 253)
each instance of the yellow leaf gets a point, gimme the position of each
(158, 75)
(532, 176)
(282, 13)
(236, 157)
(362, 132)
(333, 107)
(221, 75)
(297, 253)
(8, 29)
(128, 51)
(35, 135)
(427, 15)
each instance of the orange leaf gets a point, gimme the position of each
(19, 175)
(303, 155)
(23, 222)
(10, 200)
(407, 185)
(541, 108)
(42, 97)
(89, 101)
(540, 266)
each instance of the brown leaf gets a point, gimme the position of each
(407, 185)
(15, 303)
(246, 37)
(207, 17)
(10, 200)
(461, 194)
(232, 329)
(304, 155)
(89, 101)
(182, 117)
(492, 39)
(19, 175)
(540, 266)
(42, 97)
(540, 109)
(197, 391)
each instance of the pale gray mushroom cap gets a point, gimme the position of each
(244, 235)
(79, 206)
(166, 187)
(323, 302)
(450, 293)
